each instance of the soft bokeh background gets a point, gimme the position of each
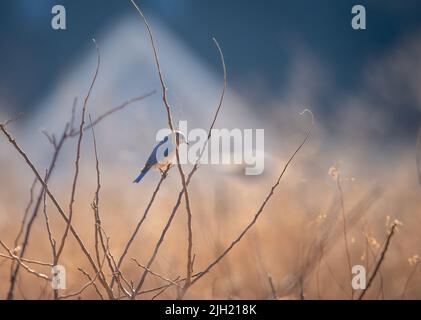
(282, 57)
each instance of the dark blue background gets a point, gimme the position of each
(254, 36)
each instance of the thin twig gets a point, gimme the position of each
(25, 215)
(53, 199)
(6, 123)
(379, 261)
(373, 254)
(332, 274)
(46, 264)
(113, 110)
(180, 195)
(23, 265)
(50, 138)
(155, 274)
(159, 293)
(87, 285)
(93, 283)
(50, 236)
(221, 100)
(262, 206)
(171, 126)
(47, 223)
(110, 258)
(23, 223)
(166, 286)
(95, 206)
(139, 224)
(67, 133)
(272, 288)
(35, 210)
(326, 237)
(78, 152)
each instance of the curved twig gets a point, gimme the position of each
(263, 205)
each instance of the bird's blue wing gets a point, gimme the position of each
(153, 158)
(158, 153)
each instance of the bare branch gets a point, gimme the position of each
(46, 264)
(221, 100)
(95, 207)
(87, 285)
(35, 210)
(171, 126)
(156, 274)
(113, 110)
(93, 283)
(25, 215)
(139, 224)
(112, 264)
(178, 202)
(67, 133)
(53, 199)
(12, 120)
(50, 138)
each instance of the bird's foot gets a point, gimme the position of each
(164, 172)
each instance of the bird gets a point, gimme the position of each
(162, 155)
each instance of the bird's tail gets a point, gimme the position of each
(141, 175)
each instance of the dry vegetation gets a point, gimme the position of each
(225, 256)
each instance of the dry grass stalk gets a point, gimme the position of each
(408, 280)
(345, 231)
(272, 288)
(379, 261)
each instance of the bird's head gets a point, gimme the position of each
(180, 138)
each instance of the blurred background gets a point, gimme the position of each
(261, 42)
(363, 87)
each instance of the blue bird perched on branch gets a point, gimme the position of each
(163, 154)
